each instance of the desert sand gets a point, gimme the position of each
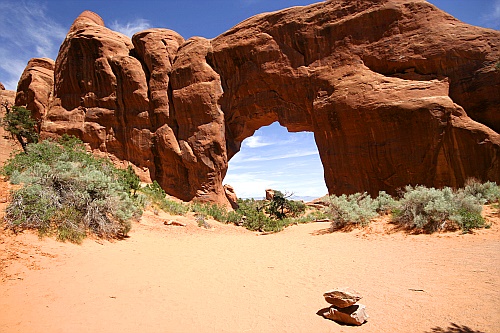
(228, 279)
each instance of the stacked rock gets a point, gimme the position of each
(344, 308)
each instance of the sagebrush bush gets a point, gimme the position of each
(68, 192)
(430, 209)
(384, 203)
(358, 208)
(489, 191)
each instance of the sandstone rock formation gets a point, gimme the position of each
(36, 86)
(269, 194)
(7, 146)
(231, 196)
(396, 92)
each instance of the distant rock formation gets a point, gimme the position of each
(396, 92)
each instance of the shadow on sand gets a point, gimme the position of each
(454, 328)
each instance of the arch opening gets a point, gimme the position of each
(275, 158)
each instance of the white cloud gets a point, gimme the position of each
(130, 28)
(294, 154)
(26, 31)
(255, 142)
(250, 185)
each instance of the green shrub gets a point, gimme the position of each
(253, 217)
(430, 208)
(358, 208)
(384, 203)
(217, 212)
(19, 123)
(296, 208)
(489, 191)
(280, 206)
(158, 197)
(68, 192)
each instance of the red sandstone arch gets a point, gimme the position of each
(395, 92)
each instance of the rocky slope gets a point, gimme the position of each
(396, 92)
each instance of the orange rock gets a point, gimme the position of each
(231, 196)
(7, 145)
(352, 315)
(269, 194)
(35, 87)
(342, 297)
(396, 92)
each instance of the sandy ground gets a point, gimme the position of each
(227, 279)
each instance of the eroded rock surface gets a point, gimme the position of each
(396, 92)
(7, 145)
(35, 87)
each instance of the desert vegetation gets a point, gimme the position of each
(64, 190)
(418, 208)
(19, 123)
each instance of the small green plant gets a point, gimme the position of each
(130, 179)
(202, 222)
(158, 198)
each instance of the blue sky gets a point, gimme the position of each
(272, 158)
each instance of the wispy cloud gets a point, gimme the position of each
(243, 157)
(250, 185)
(130, 28)
(256, 142)
(26, 31)
(492, 19)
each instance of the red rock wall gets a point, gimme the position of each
(396, 92)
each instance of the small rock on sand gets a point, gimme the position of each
(342, 297)
(352, 315)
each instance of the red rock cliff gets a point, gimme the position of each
(396, 92)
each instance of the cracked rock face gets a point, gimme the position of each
(396, 92)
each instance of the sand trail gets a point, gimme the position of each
(227, 279)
